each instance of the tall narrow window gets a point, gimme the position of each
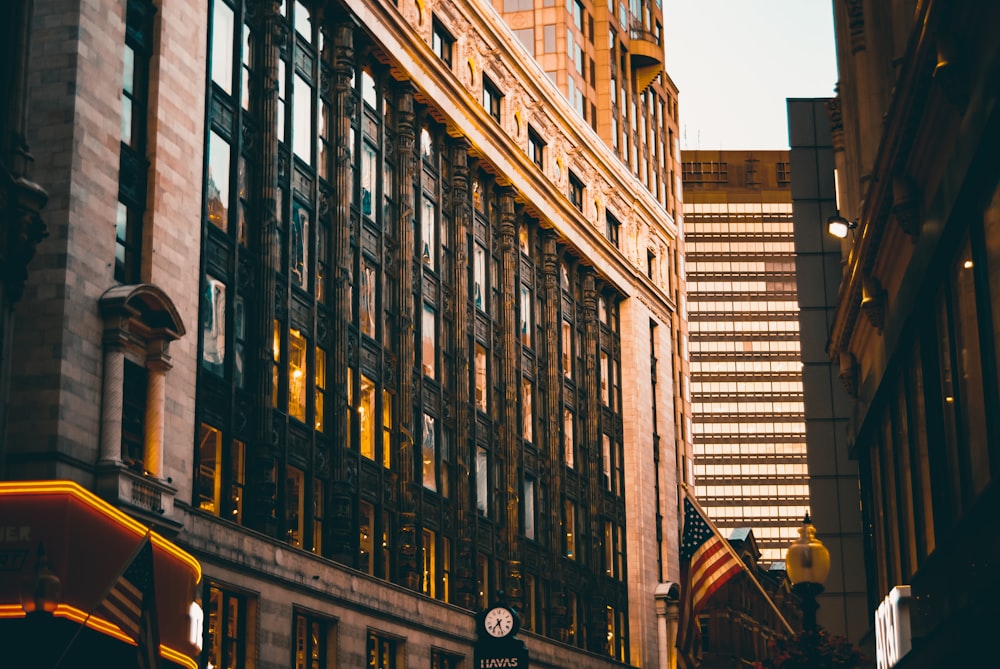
(569, 446)
(567, 349)
(481, 386)
(297, 375)
(526, 323)
(527, 410)
(133, 163)
(429, 454)
(294, 505)
(427, 550)
(482, 481)
(428, 338)
(569, 529)
(320, 388)
(134, 416)
(366, 538)
(536, 149)
(479, 276)
(529, 507)
(367, 417)
(576, 191)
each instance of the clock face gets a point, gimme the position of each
(499, 622)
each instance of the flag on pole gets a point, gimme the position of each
(130, 603)
(707, 563)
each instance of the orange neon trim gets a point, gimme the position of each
(101, 625)
(90, 499)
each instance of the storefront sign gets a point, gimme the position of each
(892, 627)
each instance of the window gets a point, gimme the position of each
(569, 528)
(429, 454)
(527, 301)
(528, 495)
(294, 505)
(428, 338)
(442, 660)
(482, 481)
(311, 644)
(366, 411)
(612, 227)
(366, 537)
(427, 551)
(479, 276)
(227, 635)
(784, 172)
(442, 42)
(526, 36)
(567, 349)
(381, 652)
(220, 491)
(569, 446)
(481, 385)
(575, 191)
(134, 416)
(133, 163)
(491, 98)
(536, 148)
(527, 410)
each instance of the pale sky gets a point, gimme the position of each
(736, 61)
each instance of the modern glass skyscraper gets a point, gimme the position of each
(746, 373)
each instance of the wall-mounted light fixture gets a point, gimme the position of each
(838, 226)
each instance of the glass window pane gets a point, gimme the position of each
(213, 326)
(218, 181)
(429, 454)
(222, 46)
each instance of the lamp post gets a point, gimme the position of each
(807, 562)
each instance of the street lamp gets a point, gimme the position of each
(838, 226)
(807, 562)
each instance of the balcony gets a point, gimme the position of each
(647, 55)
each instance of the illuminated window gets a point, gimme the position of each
(428, 338)
(567, 349)
(212, 480)
(311, 645)
(569, 529)
(428, 230)
(386, 429)
(381, 652)
(227, 635)
(445, 569)
(481, 383)
(320, 387)
(367, 417)
(427, 549)
(297, 375)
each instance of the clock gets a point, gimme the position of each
(499, 622)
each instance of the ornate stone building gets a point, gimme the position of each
(347, 300)
(914, 333)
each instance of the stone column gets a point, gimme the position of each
(553, 411)
(342, 537)
(589, 407)
(157, 366)
(260, 510)
(465, 322)
(510, 442)
(111, 406)
(409, 270)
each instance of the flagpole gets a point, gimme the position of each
(732, 551)
(104, 596)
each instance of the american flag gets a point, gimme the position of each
(707, 562)
(130, 603)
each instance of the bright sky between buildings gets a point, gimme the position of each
(736, 61)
